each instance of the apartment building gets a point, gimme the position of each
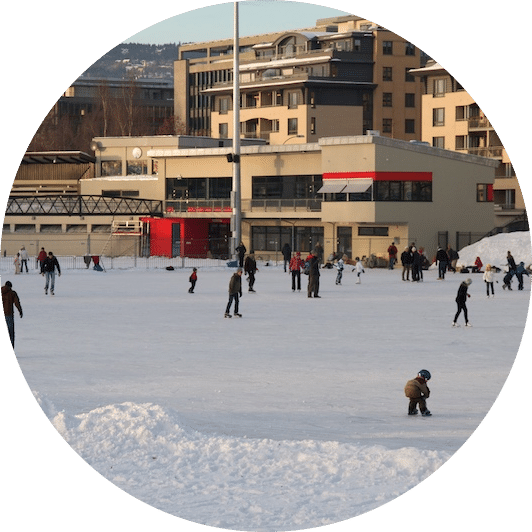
(345, 76)
(453, 121)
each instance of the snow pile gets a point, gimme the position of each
(494, 249)
(150, 454)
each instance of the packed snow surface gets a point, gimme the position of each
(293, 416)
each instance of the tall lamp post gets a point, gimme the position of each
(236, 208)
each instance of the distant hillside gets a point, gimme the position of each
(142, 60)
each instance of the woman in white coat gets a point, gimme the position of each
(488, 278)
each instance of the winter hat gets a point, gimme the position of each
(468, 282)
(239, 270)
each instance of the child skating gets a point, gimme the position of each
(340, 267)
(488, 278)
(418, 392)
(359, 269)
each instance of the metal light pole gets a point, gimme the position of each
(236, 220)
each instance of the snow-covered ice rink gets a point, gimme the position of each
(293, 416)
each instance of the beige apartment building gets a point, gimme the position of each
(453, 121)
(343, 77)
(353, 194)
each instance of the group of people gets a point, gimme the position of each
(413, 261)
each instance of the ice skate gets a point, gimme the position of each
(413, 413)
(426, 413)
(237, 315)
(455, 324)
(227, 315)
(468, 325)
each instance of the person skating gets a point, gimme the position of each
(418, 392)
(192, 280)
(49, 265)
(392, 255)
(24, 257)
(235, 292)
(442, 260)
(287, 254)
(41, 257)
(250, 267)
(488, 278)
(519, 272)
(9, 300)
(295, 266)
(461, 299)
(313, 287)
(241, 250)
(406, 261)
(340, 267)
(359, 269)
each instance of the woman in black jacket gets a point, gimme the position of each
(461, 299)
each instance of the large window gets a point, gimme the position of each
(111, 168)
(292, 126)
(266, 238)
(372, 231)
(268, 187)
(286, 187)
(438, 117)
(402, 191)
(198, 188)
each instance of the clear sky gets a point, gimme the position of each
(216, 22)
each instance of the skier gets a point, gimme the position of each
(359, 269)
(488, 277)
(235, 291)
(192, 280)
(418, 392)
(48, 267)
(340, 268)
(461, 299)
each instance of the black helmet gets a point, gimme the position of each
(425, 374)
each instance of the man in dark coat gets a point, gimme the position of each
(287, 254)
(392, 255)
(241, 250)
(442, 260)
(461, 299)
(10, 299)
(406, 261)
(250, 267)
(49, 265)
(314, 276)
(235, 292)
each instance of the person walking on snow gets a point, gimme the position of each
(392, 256)
(295, 266)
(10, 299)
(48, 268)
(461, 299)
(359, 269)
(418, 392)
(235, 292)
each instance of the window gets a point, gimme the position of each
(410, 99)
(224, 106)
(387, 125)
(269, 187)
(372, 231)
(292, 126)
(293, 100)
(137, 167)
(439, 88)
(387, 99)
(313, 125)
(313, 100)
(438, 142)
(438, 117)
(410, 49)
(402, 191)
(461, 112)
(220, 187)
(111, 168)
(410, 125)
(460, 142)
(484, 192)
(409, 77)
(386, 73)
(266, 238)
(223, 130)
(387, 48)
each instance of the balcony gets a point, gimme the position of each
(493, 152)
(215, 207)
(479, 123)
(281, 205)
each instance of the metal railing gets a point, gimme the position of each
(280, 205)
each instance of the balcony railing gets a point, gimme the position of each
(199, 206)
(280, 205)
(491, 151)
(479, 122)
